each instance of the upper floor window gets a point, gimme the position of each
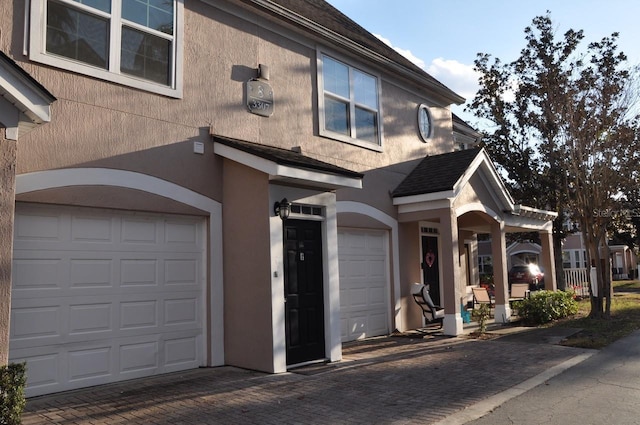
(349, 104)
(132, 42)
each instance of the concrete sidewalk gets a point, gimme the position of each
(392, 380)
(604, 389)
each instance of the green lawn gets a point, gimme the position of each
(625, 318)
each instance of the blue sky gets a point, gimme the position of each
(443, 37)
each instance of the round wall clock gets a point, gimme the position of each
(424, 122)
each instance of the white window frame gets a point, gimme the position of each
(38, 53)
(352, 104)
(483, 262)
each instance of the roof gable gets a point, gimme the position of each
(436, 173)
(445, 176)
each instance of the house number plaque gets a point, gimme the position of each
(260, 98)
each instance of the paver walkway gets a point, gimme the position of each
(394, 380)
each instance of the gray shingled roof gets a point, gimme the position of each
(463, 123)
(285, 157)
(327, 16)
(436, 173)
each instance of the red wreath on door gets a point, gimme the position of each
(430, 258)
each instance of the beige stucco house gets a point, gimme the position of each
(147, 150)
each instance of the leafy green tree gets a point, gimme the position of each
(560, 128)
(522, 103)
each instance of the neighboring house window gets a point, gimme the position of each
(349, 109)
(574, 258)
(133, 42)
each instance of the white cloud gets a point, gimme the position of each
(404, 52)
(459, 77)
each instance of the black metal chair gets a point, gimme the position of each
(432, 313)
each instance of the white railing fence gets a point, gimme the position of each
(578, 280)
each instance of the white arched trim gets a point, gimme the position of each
(67, 177)
(367, 210)
(477, 206)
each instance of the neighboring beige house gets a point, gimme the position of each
(624, 261)
(518, 253)
(148, 148)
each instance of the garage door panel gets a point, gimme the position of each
(180, 311)
(93, 230)
(139, 231)
(364, 286)
(377, 296)
(37, 273)
(139, 272)
(90, 318)
(101, 296)
(377, 268)
(91, 272)
(89, 363)
(30, 227)
(377, 322)
(139, 357)
(44, 369)
(180, 233)
(181, 352)
(32, 324)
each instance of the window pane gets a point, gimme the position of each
(145, 56)
(336, 77)
(366, 125)
(154, 14)
(77, 35)
(103, 5)
(365, 90)
(336, 116)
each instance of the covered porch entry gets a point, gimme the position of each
(443, 205)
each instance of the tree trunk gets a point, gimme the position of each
(557, 258)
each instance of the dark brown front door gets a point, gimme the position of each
(303, 287)
(430, 267)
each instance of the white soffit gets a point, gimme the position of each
(27, 97)
(287, 173)
(32, 102)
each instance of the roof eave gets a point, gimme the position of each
(337, 39)
(28, 97)
(287, 173)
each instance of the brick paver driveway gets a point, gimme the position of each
(394, 380)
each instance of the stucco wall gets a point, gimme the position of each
(476, 192)
(247, 267)
(7, 191)
(409, 235)
(98, 123)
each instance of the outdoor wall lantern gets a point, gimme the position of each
(282, 209)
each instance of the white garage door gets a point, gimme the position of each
(364, 283)
(101, 296)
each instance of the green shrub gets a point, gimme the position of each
(481, 315)
(12, 401)
(546, 306)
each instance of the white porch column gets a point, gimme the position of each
(547, 261)
(450, 263)
(500, 279)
